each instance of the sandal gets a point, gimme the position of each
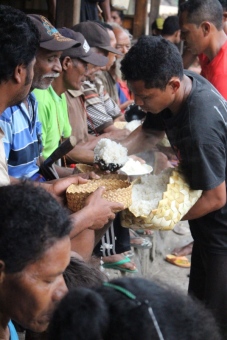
(117, 265)
(180, 261)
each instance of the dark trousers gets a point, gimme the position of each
(208, 282)
(115, 241)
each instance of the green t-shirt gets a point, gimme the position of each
(53, 114)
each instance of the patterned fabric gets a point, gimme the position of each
(101, 109)
(22, 140)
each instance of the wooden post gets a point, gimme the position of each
(154, 10)
(139, 22)
(67, 13)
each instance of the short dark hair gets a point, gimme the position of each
(224, 4)
(203, 10)
(110, 314)
(120, 13)
(171, 25)
(19, 40)
(153, 60)
(79, 273)
(31, 221)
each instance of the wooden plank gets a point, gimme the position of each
(154, 10)
(67, 13)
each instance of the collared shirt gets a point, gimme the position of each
(53, 114)
(22, 140)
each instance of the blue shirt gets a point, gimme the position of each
(22, 141)
(12, 331)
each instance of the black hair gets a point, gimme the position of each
(224, 4)
(203, 10)
(153, 60)
(120, 13)
(19, 40)
(79, 273)
(110, 313)
(31, 221)
(171, 25)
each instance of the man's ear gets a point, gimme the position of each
(2, 271)
(66, 62)
(206, 27)
(19, 73)
(174, 83)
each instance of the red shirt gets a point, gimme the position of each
(216, 70)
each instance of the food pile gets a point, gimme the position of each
(110, 155)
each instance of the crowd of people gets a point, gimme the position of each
(78, 81)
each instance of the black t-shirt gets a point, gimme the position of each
(198, 135)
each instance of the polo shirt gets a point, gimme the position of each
(22, 140)
(77, 115)
(53, 114)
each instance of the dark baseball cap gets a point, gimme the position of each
(50, 38)
(96, 35)
(82, 52)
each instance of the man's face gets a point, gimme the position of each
(30, 297)
(123, 42)
(24, 86)
(75, 74)
(151, 100)
(111, 56)
(192, 35)
(47, 67)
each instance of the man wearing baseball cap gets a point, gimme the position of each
(102, 110)
(53, 111)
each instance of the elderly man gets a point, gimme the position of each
(31, 263)
(194, 116)
(53, 111)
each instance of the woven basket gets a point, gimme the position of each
(176, 202)
(83, 168)
(116, 191)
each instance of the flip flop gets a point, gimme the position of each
(117, 265)
(180, 261)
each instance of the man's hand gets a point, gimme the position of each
(58, 187)
(100, 210)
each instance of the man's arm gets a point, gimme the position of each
(210, 200)
(105, 6)
(142, 140)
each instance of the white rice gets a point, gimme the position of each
(110, 152)
(147, 194)
(132, 167)
(131, 126)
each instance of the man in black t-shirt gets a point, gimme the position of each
(193, 114)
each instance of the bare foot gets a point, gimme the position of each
(183, 251)
(118, 257)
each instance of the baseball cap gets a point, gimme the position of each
(82, 52)
(96, 35)
(50, 38)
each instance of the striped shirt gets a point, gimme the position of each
(22, 140)
(101, 109)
